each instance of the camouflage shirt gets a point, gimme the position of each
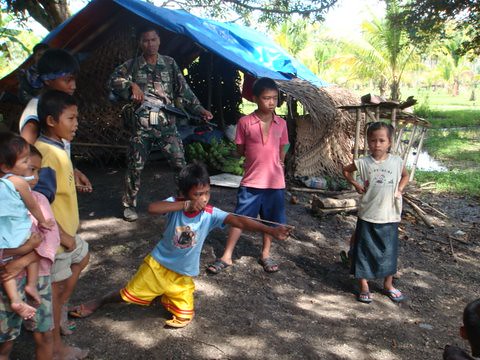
(163, 79)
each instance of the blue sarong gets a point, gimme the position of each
(375, 250)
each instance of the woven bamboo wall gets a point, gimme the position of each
(324, 137)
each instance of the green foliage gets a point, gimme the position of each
(15, 44)
(423, 109)
(384, 53)
(427, 19)
(267, 12)
(452, 118)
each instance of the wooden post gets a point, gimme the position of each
(393, 120)
(365, 142)
(358, 124)
(410, 141)
(209, 79)
(419, 149)
(221, 118)
(396, 146)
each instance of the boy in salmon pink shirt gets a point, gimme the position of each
(262, 138)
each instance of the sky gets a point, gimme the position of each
(344, 19)
(347, 16)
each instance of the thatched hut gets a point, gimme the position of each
(103, 36)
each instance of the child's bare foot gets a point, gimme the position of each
(23, 309)
(71, 353)
(32, 292)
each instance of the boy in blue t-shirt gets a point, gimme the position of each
(168, 270)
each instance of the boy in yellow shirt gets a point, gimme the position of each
(58, 116)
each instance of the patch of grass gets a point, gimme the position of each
(458, 146)
(460, 151)
(452, 118)
(458, 181)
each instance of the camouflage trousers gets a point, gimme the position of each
(164, 138)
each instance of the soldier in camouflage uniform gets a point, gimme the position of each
(138, 79)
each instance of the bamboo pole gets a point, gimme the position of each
(419, 149)
(398, 140)
(420, 212)
(358, 124)
(393, 119)
(409, 145)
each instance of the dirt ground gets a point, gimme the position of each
(307, 310)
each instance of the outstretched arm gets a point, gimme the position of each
(164, 207)
(279, 232)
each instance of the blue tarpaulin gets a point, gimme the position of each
(252, 51)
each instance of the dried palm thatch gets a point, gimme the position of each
(324, 136)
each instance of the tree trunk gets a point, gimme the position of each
(455, 87)
(47, 13)
(395, 90)
(382, 87)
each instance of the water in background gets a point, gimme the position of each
(425, 162)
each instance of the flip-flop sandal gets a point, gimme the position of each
(80, 311)
(177, 323)
(269, 265)
(364, 297)
(218, 266)
(395, 295)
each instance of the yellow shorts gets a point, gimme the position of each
(153, 280)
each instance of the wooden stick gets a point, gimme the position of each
(320, 191)
(409, 145)
(420, 212)
(396, 147)
(426, 204)
(358, 125)
(427, 183)
(459, 240)
(265, 221)
(451, 248)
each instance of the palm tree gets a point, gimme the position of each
(452, 64)
(384, 53)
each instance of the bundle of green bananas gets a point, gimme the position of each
(218, 155)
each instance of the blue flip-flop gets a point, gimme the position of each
(364, 297)
(395, 295)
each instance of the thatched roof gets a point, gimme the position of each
(324, 137)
